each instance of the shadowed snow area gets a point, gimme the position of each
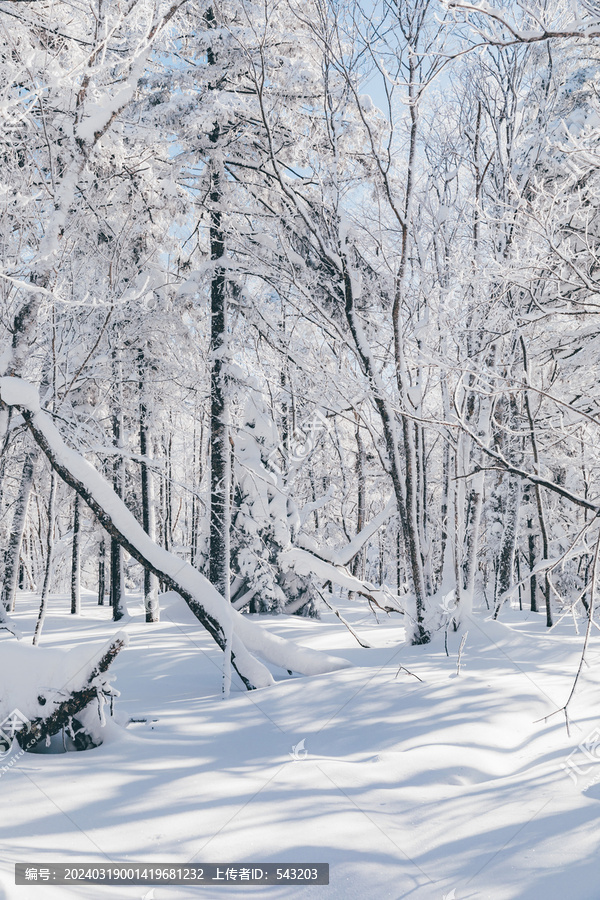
(406, 788)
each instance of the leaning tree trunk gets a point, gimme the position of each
(406, 509)
(234, 633)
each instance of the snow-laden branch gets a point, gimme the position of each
(575, 28)
(29, 286)
(346, 554)
(225, 624)
(305, 563)
(505, 465)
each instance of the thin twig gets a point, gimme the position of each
(408, 672)
(460, 650)
(343, 621)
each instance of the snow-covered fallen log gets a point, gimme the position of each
(232, 632)
(51, 690)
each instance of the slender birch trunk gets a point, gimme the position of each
(13, 552)
(49, 560)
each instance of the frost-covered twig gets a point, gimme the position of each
(460, 650)
(408, 672)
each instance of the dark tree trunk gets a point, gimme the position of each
(537, 492)
(530, 549)
(403, 482)
(49, 560)
(150, 580)
(506, 557)
(76, 560)
(220, 459)
(116, 579)
(102, 571)
(61, 715)
(358, 565)
(117, 575)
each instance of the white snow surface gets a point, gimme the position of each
(16, 392)
(409, 789)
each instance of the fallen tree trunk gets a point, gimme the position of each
(232, 632)
(60, 713)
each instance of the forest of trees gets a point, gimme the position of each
(300, 298)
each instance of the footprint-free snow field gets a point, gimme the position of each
(410, 780)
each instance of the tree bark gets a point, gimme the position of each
(220, 459)
(358, 565)
(49, 560)
(76, 560)
(401, 483)
(101, 571)
(231, 631)
(38, 729)
(538, 494)
(13, 552)
(117, 575)
(508, 543)
(148, 512)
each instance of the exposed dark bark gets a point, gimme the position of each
(538, 494)
(530, 551)
(102, 571)
(117, 575)
(76, 560)
(358, 564)
(212, 625)
(49, 560)
(509, 537)
(220, 462)
(38, 729)
(150, 581)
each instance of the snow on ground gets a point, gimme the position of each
(407, 788)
